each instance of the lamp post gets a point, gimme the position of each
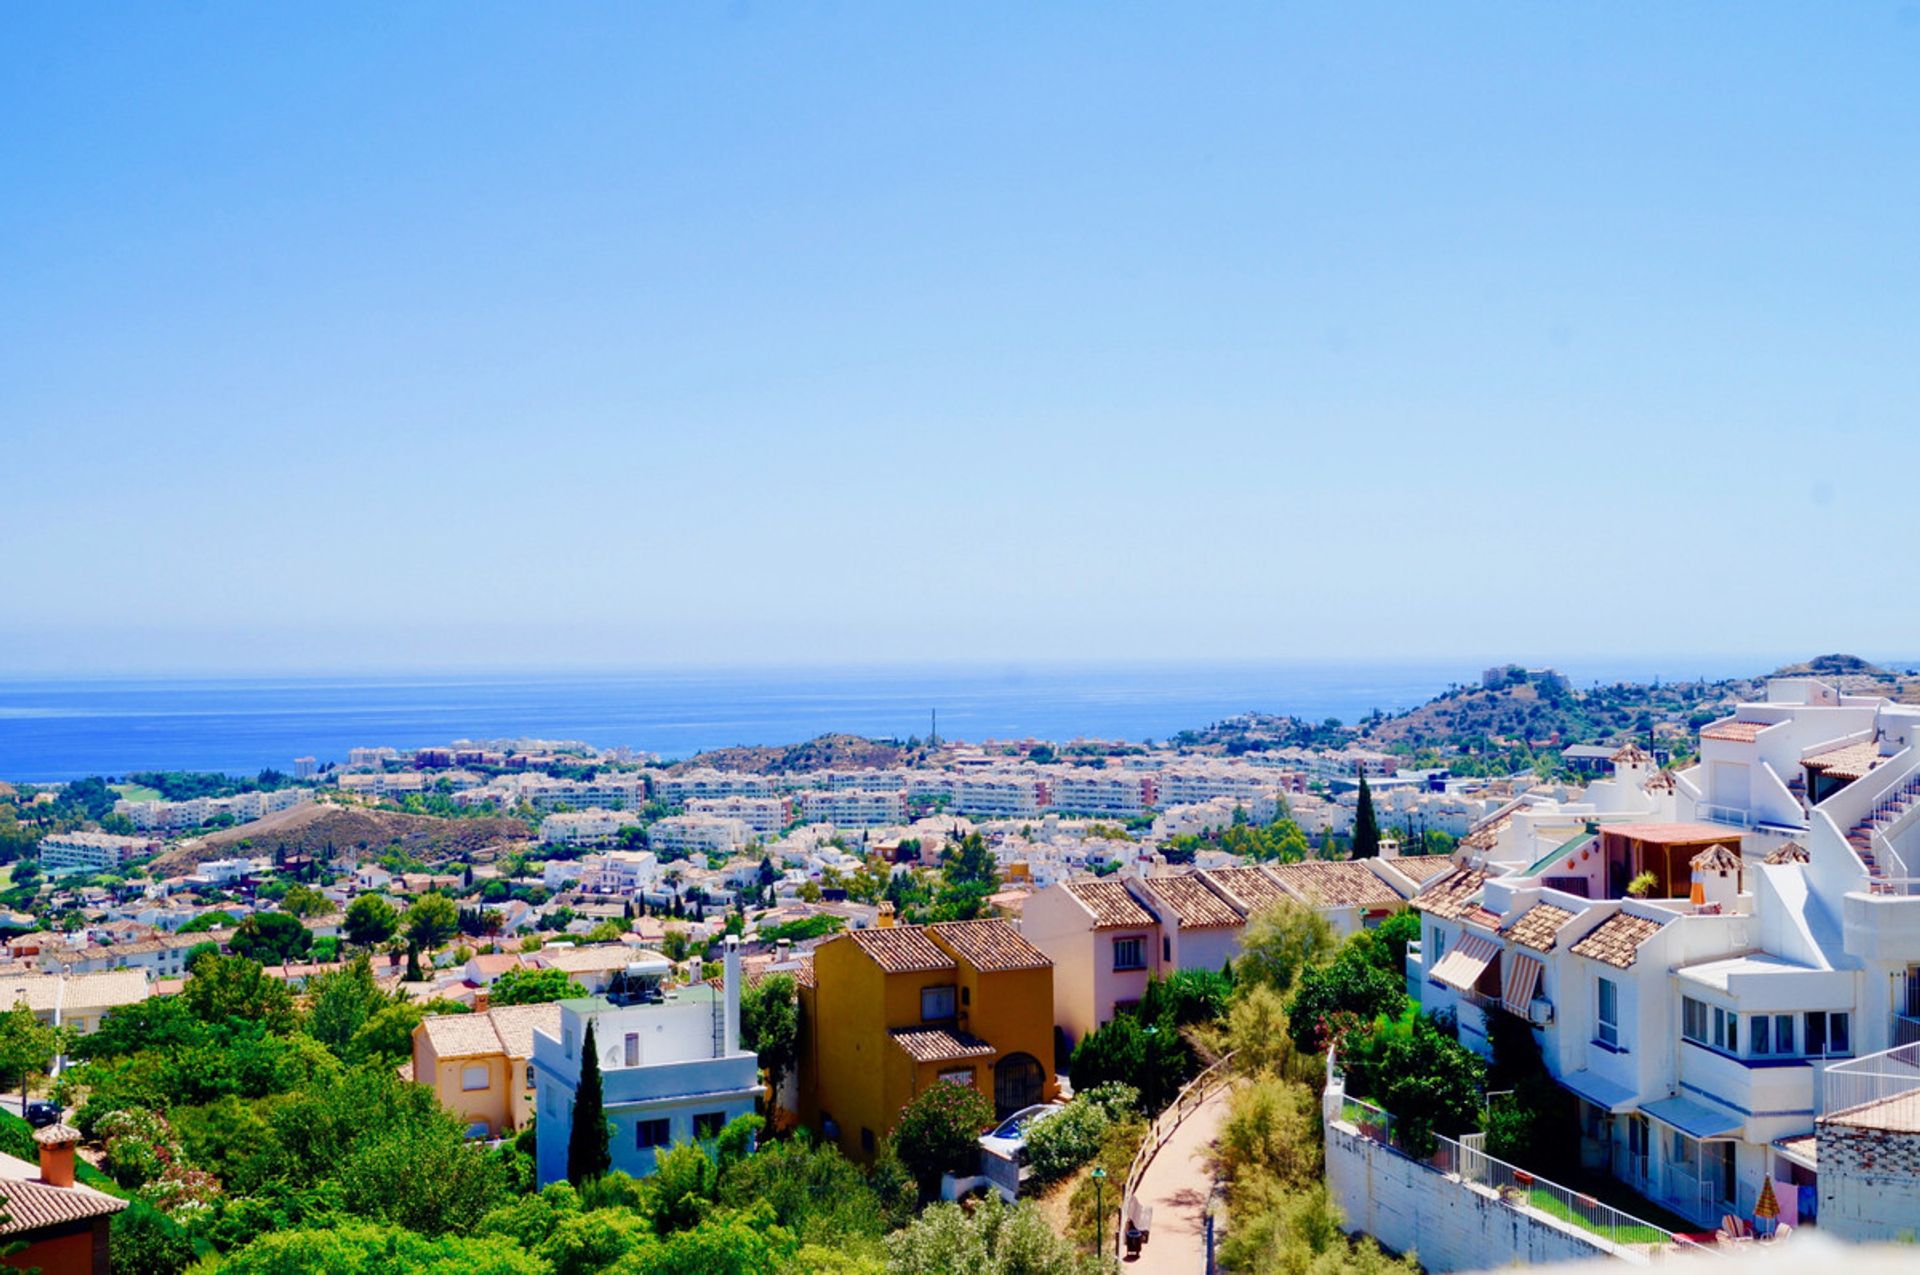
(1099, 1210)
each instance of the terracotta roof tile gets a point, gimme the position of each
(1616, 941)
(937, 1044)
(1335, 884)
(31, 1206)
(1251, 888)
(1193, 905)
(1112, 906)
(1420, 868)
(1717, 859)
(901, 949)
(505, 1029)
(1791, 852)
(1734, 731)
(1537, 926)
(1632, 754)
(1452, 896)
(992, 946)
(1849, 761)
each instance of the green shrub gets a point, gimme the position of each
(1062, 1142)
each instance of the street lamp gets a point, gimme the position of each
(1099, 1208)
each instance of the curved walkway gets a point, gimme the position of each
(1176, 1186)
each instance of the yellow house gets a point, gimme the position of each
(478, 1064)
(893, 1010)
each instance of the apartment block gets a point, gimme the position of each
(64, 854)
(764, 815)
(854, 807)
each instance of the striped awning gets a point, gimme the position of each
(1519, 977)
(1462, 967)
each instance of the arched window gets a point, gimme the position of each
(1018, 1081)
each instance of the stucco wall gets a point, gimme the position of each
(1448, 1225)
(1869, 1183)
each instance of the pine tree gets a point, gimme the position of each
(1366, 828)
(588, 1153)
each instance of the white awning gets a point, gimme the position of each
(1462, 967)
(1693, 1119)
(1520, 976)
(1598, 1090)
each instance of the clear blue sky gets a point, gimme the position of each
(438, 334)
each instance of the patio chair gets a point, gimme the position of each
(1734, 1229)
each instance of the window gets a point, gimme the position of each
(958, 1076)
(936, 1003)
(866, 1140)
(1438, 946)
(1726, 1030)
(1128, 955)
(1693, 1019)
(566, 1039)
(1783, 1033)
(1166, 949)
(708, 1124)
(1827, 1035)
(1609, 1015)
(475, 1076)
(1759, 1037)
(633, 1049)
(652, 1133)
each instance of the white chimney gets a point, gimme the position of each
(733, 994)
(693, 971)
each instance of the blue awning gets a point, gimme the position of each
(1694, 1119)
(1599, 1091)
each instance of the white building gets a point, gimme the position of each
(765, 815)
(672, 1068)
(615, 790)
(855, 807)
(381, 783)
(619, 872)
(697, 834)
(678, 790)
(1118, 793)
(65, 854)
(999, 793)
(180, 816)
(593, 827)
(1192, 782)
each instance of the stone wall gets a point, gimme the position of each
(1449, 1225)
(1869, 1183)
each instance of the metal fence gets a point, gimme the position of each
(1879, 1091)
(1184, 1104)
(1611, 1228)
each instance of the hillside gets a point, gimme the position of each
(325, 830)
(826, 752)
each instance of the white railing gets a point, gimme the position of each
(1196, 1091)
(1733, 815)
(1609, 1229)
(1878, 1091)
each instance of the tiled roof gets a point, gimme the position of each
(507, 1029)
(1717, 859)
(1616, 941)
(1335, 884)
(1111, 905)
(1420, 868)
(1537, 926)
(41, 992)
(1251, 888)
(1850, 761)
(991, 946)
(1632, 754)
(1486, 834)
(937, 1044)
(588, 960)
(1734, 732)
(56, 1135)
(1452, 896)
(1790, 852)
(1662, 781)
(901, 949)
(1193, 905)
(32, 1205)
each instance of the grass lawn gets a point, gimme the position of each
(1552, 1205)
(136, 792)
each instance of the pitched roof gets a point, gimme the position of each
(1849, 761)
(1616, 941)
(1537, 926)
(31, 1204)
(506, 1029)
(1734, 731)
(1661, 781)
(587, 960)
(43, 992)
(1789, 852)
(937, 1044)
(1193, 905)
(1252, 888)
(1337, 884)
(1717, 859)
(1630, 755)
(901, 949)
(1420, 868)
(1112, 906)
(1452, 896)
(989, 945)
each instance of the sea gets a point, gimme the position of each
(55, 729)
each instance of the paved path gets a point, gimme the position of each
(1176, 1186)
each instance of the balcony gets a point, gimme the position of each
(1884, 925)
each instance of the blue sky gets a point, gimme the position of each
(465, 335)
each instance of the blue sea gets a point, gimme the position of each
(65, 729)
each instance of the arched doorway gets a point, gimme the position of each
(1018, 1081)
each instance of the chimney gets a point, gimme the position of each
(57, 1142)
(783, 950)
(693, 971)
(733, 994)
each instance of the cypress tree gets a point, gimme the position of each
(588, 1153)
(413, 963)
(1366, 828)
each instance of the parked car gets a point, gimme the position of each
(1003, 1150)
(42, 1114)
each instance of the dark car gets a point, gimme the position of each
(42, 1114)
